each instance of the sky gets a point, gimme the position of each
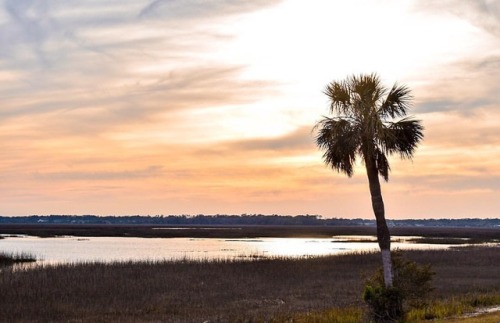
(121, 107)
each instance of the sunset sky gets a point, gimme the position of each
(120, 107)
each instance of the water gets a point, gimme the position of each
(108, 249)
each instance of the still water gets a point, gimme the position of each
(107, 249)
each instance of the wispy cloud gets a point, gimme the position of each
(101, 176)
(300, 139)
(482, 13)
(108, 68)
(197, 9)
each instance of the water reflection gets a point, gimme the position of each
(107, 249)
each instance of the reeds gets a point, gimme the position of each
(7, 259)
(224, 290)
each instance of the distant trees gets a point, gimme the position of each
(369, 122)
(243, 219)
(199, 219)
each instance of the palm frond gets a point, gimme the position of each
(397, 102)
(340, 96)
(368, 89)
(340, 141)
(402, 137)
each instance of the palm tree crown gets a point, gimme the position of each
(369, 122)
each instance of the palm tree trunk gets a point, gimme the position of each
(383, 234)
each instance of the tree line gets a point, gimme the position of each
(241, 219)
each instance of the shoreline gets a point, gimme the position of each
(474, 235)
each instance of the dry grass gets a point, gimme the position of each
(186, 291)
(471, 269)
(222, 291)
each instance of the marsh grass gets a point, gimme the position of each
(262, 290)
(334, 315)
(454, 306)
(7, 259)
(223, 290)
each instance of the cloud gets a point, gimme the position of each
(447, 184)
(29, 23)
(148, 172)
(466, 87)
(299, 140)
(482, 13)
(198, 9)
(83, 69)
(449, 104)
(179, 89)
(48, 34)
(171, 109)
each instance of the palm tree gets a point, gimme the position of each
(369, 122)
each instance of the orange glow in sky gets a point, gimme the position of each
(187, 107)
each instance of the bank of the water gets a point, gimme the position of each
(482, 313)
(490, 317)
(477, 315)
(231, 232)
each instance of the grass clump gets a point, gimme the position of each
(335, 315)
(412, 285)
(8, 259)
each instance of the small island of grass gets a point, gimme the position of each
(8, 259)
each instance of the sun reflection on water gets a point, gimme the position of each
(297, 247)
(109, 249)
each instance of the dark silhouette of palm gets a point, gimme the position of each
(369, 122)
